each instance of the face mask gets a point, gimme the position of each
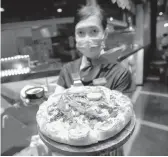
(90, 48)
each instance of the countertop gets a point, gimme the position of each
(53, 68)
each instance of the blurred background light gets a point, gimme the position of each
(161, 13)
(18, 66)
(59, 10)
(166, 25)
(111, 19)
(2, 9)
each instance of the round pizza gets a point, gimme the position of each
(84, 115)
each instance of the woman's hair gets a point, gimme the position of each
(89, 10)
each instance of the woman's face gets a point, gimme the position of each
(89, 32)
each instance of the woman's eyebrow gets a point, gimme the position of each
(84, 27)
(94, 27)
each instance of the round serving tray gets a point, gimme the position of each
(108, 145)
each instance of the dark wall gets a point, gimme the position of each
(147, 58)
(153, 25)
(150, 49)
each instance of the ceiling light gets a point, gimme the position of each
(166, 25)
(111, 19)
(2, 9)
(161, 13)
(59, 10)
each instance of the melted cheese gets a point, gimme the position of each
(94, 96)
(76, 89)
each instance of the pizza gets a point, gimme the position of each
(84, 115)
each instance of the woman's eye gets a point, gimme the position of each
(94, 32)
(81, 33)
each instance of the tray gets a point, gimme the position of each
(108, 145)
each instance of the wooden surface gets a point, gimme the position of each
(95, 149)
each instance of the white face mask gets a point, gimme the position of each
(90, 47)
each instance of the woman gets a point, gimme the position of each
(90, 35)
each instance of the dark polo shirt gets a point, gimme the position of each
(117, 77)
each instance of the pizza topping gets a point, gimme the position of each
(50, 110)
(57, 115)
(76, 89)
(104, 115)
(97, 113)
(114, 113)
(104, 104)
(77, 113)
(67, 108)
(92, 113)
(81, 109)
(83, 101)
(94, 96)
(105, 112)
(112, 98)
(73, 113)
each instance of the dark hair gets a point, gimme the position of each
(89, 10)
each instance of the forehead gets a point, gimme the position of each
(92, 21)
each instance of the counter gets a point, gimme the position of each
(53, 68)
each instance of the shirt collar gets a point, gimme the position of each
(84, 62)
(104, 59)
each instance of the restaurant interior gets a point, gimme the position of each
(37, 40)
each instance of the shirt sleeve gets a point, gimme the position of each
(123, 81)
(61, 78)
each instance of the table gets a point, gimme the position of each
(101, 148)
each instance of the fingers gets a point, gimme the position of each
(27, 101)
(45, 88)
(17, 105)
(23, 94)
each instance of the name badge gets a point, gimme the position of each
(100, 81)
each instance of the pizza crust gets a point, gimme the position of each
(114, 126)
(79, 135)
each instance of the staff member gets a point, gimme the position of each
(90, 36)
